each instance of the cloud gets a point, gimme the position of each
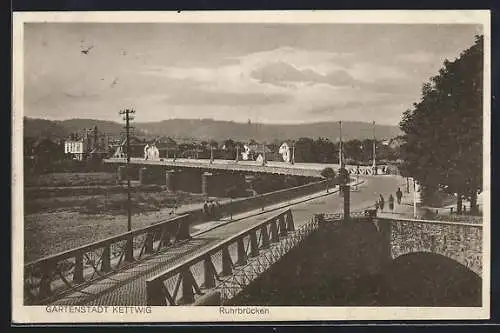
(417, 57)
(279, 73)
(204, 97)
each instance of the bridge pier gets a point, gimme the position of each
(132, 173)
(216, 184)
(171, 180)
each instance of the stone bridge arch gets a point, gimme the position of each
(429, 279)
(461, 242)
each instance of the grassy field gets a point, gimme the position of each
(63, 211)
(66, 222)
(71, 179)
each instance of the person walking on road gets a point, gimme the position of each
(381, 202)
(211, 209)
(205, 209)
(399, 195)
(391, 202)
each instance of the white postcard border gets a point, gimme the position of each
(41, 314)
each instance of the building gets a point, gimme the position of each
(252, 152)
(286, 150)
(88, 144)
(77, 149)
(136, 148)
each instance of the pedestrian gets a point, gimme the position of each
(381, 202)
(391, 202)
(399, 195)
(211, 209)
(376, 205)
(205, 210)
(219, 210)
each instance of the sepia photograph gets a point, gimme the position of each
(251, 166)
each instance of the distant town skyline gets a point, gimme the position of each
(268, 73)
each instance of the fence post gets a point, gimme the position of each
(282, 225)
(154, 293)
(242, 254)
(290, 226)
(274, 231)
(148, 248)
(45, 288)
(187, 286)
(227, 263)
(78, 272)
(129, 249)
(254, 245)
(265, 236)
(165, 237)
(183, 230)
(106, 259)
(209, 274)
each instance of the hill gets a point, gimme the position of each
(206, 129)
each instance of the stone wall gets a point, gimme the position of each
(461, 242)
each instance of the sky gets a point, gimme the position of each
(270, 73)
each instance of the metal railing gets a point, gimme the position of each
(215, 267)
(52, 276)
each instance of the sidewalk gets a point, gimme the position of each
(207, 226)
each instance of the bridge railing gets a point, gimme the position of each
(208, 269)
(54, 275)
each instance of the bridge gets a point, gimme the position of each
(272, 167)
(168, 263)
(215, 177)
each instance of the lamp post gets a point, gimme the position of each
(341, 148)
(374, 162)
(127, 113)
(263, 154)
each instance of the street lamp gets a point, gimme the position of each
(341, 148)
(127, 116)
(374, 163)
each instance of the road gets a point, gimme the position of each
(275, 167)
(127, 287)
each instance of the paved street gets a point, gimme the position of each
(127, 287)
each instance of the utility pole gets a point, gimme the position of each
(341, 148)
(374, 162)
(127, 116)
(264, 154)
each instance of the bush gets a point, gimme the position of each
(328, 173)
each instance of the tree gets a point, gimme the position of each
(443, 131)
(304, 150)
(353, 150)
(229, 144)
(214, 144)
(328, 173)
(324, 150)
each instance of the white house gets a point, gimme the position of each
(245, 154)
(285, 151)
(75, 148)
(151, 152)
